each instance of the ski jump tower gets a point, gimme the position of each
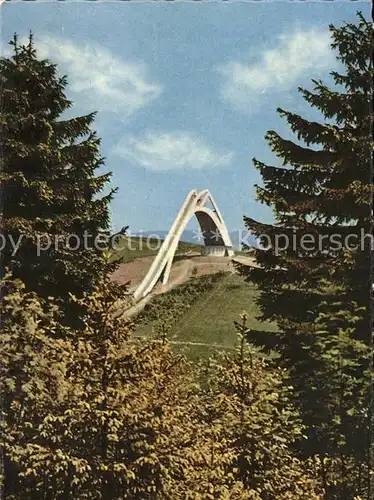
(216, 238)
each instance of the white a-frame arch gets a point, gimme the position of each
(213, 230)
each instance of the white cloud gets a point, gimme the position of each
(297, 54)
(104, 80)
(171, 151)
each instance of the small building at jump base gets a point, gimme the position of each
(216, 250)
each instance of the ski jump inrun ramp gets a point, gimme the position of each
(212, 227)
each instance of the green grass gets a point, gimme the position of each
(133, 247)
(207, 317)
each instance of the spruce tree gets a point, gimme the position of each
(94, 415)
(101, 415)
(33, 385)
(49, 179)
(251, 425)
(321, 192)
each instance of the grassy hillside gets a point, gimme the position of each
(133, 247)
(203, 311)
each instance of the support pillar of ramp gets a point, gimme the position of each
(212, 227)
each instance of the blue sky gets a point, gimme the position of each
(184, 91)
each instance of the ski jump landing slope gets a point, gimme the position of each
(213, 230)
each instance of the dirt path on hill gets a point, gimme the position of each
(184, 266)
